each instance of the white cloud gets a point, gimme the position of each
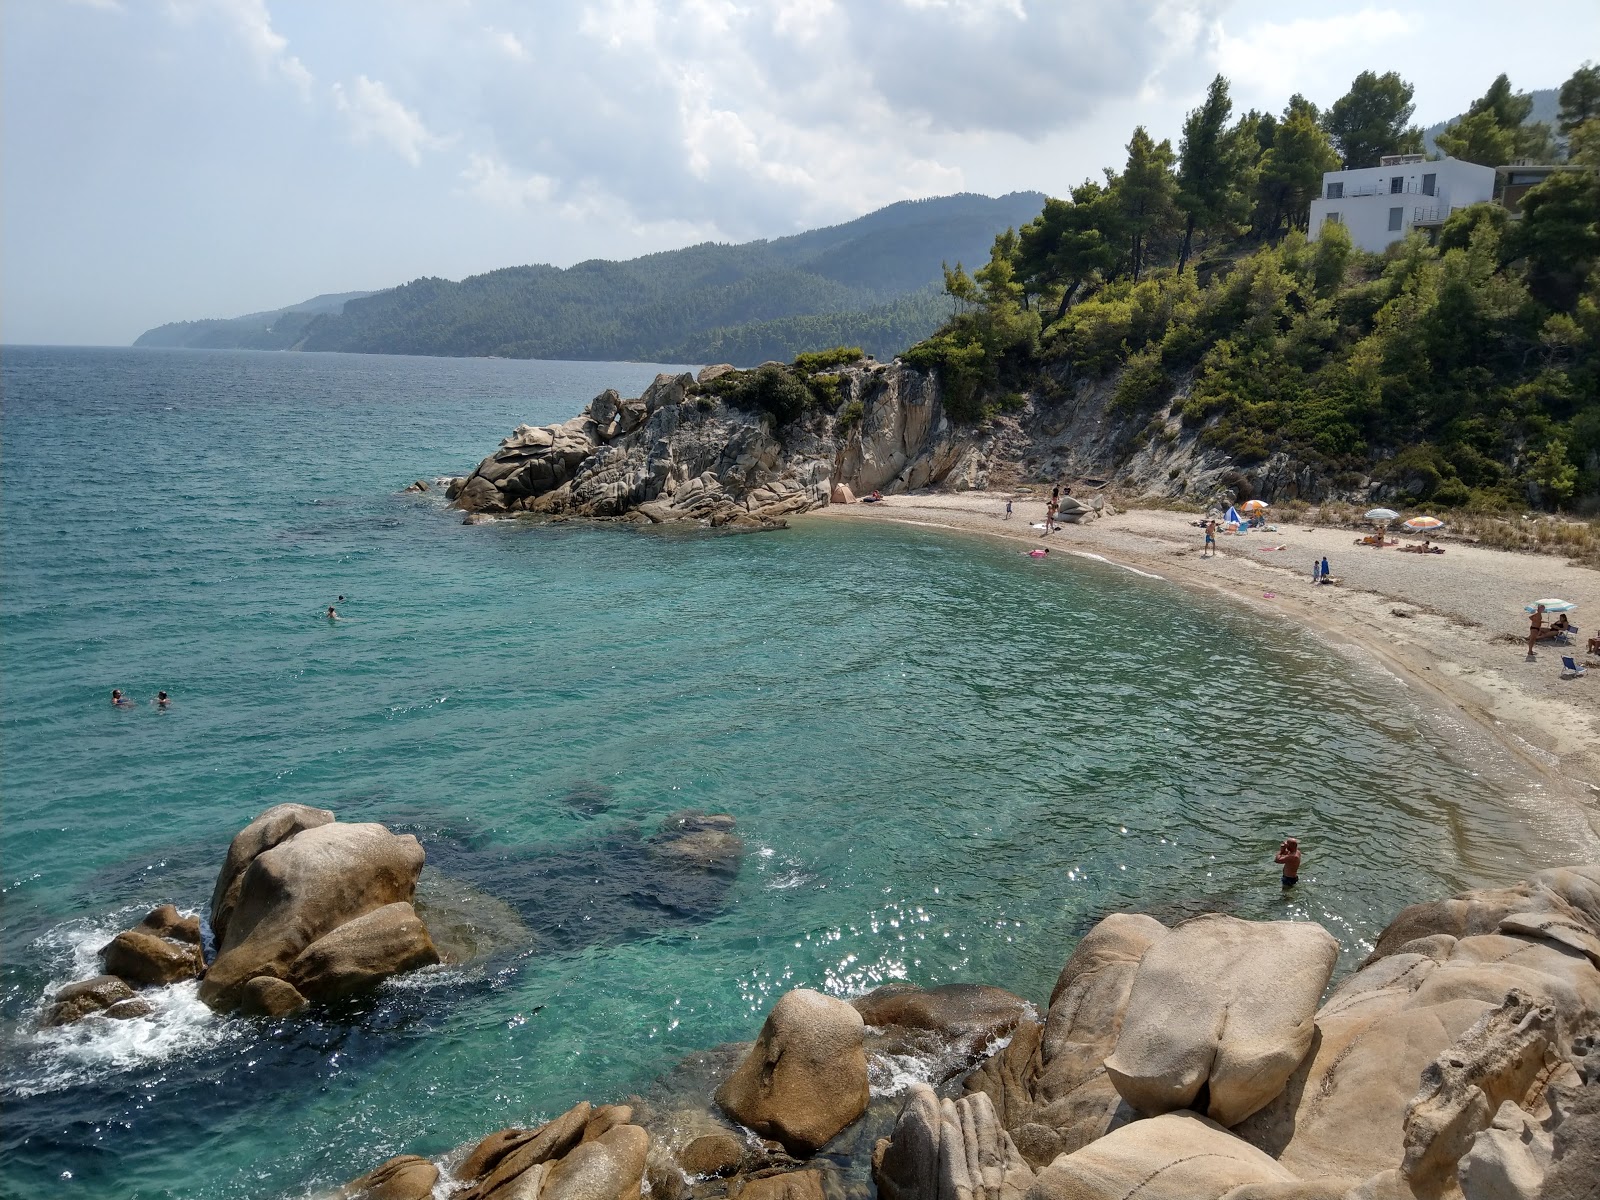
(250, 24)
(508, 44)
(102, 5)
(374, 112)
(1276, 57)
(491, 180)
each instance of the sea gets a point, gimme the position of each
(946, 761)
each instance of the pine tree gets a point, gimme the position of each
(1369, 120)
(1146, 193)
(1209, 167)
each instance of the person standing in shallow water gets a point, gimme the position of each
(1289, 857)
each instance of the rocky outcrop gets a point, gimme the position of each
(277, 824)
(105, 994)
(1224, 1005)
(405, 1177)
(949, 1150)
(687, 451)
(1177, 1156)
(1455, 1063)
(805, 1078)
(290, 906)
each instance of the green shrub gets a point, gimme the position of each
(821, 360)
(850, 416)
(770, 389)
(1144, 381)
(826, 390)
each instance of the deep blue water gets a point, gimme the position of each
(946, 761)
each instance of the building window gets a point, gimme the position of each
(1330, 218)
(1396, 217)
(1397, 184)
(1336, 191)
(1429, 184)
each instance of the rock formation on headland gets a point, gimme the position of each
(745, 449)
(1186, 1063)
(686, 450)
(305, 908)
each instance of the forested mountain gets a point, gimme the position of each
(275, 329)
(871, 282)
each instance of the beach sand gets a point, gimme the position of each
(1449, 626)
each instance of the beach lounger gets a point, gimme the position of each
(1570, 668)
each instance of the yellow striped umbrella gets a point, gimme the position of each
(1423, 523)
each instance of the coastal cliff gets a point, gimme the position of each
(719, 448)
(704, 449)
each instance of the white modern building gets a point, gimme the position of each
(1381, 204)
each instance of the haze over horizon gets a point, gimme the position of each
(207, 158)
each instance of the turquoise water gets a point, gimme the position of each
(946, 760)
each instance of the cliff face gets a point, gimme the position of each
(680, 452)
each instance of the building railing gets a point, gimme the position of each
(1431, 216)
(1351, 192)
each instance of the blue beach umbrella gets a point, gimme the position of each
(1551, 606)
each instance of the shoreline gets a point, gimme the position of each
(1450, 651)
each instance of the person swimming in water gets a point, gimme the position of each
(118, 700)
(1036, 553)
(332, 613)
(163, 700)
(1289, 856)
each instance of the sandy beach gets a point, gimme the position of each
(1451, 626)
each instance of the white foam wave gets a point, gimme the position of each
(86, 1051)
(891, 1074)
(179, 1025)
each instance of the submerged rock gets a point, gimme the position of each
(805, 1078)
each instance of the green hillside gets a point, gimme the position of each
(1458, 369)
(871, 282)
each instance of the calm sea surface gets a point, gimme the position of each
(946, 760)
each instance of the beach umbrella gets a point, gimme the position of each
(1253, 506)
(1382, 514)
(1551, 605)
(1424, 523)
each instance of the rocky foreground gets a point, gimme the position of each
(1194, 1062)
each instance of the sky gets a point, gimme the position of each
(166, 160)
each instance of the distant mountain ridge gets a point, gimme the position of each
(273, 329)
(874, 282)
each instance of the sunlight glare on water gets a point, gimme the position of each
(946, 761)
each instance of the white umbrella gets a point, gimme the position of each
(1382, 514)
(1551, 605)
(1424, 523)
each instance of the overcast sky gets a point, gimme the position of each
(172, 159)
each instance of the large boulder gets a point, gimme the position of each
(495, 1167)
(277, 824)
(405, 1177)
(611, 1167)
(166, 921)
(148, 960)
(1050, 1085)
(266, 996)
(302, 889)
(1177, 1156)
(951, 1010)
(1225, 1005)
(805, 1078)
(1418, 1052)
(949, 1150)
(362, 953)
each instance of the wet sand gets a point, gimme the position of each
(1450, 626)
